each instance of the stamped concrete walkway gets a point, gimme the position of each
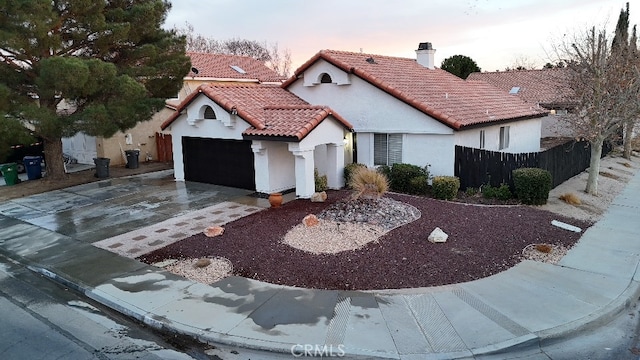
(516, 310)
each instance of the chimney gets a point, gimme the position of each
(424, 55)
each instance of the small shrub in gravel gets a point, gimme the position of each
(532, 185)
(501, 192)
(471, 191)
(445, 187)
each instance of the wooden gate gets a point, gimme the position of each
(164, 147)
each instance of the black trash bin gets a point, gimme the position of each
(132, 158)
(102, 167)
(33, 165)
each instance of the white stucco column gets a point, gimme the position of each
(178, 158)
(335, 166)
(261, 166)
(305, 183)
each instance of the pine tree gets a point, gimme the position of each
(90, 66)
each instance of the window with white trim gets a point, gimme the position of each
(387, 149)
(481, 139)
(504, 137)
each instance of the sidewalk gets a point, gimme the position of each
(520, 308)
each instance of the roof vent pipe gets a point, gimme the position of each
(425, 55)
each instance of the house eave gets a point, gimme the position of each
(499, 122)
(279, 138)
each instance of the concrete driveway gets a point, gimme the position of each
(105, 209)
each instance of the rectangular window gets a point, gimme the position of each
(481, 139)
(387, 149)
(504, 137)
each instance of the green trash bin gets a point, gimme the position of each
(10, 173)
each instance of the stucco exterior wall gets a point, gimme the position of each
(437, 151)
(524, 137)
(366, 107)
(275, 167)
(143, 137)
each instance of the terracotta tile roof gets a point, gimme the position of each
(219, 66)
(547, 87)
(455, 102)
(271, 111)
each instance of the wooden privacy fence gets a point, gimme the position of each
(476, 167)
(164, 147)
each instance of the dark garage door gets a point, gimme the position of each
(218, 161)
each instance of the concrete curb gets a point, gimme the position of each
(596, 319)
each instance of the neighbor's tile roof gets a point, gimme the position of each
(547, 87)
(271, 111)
(218, 66)
(447, 98)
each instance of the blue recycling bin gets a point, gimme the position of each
(33, 165)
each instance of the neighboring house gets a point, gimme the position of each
(407, 111)
(547, 88)
(258, 137)
(206, 68)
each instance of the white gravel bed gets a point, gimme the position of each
(553, 257)
(218, 269)
(331, 237)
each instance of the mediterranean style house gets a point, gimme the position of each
(407, 110)
(341, 107)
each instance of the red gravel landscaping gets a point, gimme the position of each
(483, 240)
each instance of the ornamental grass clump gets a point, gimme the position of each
(571, 198)
(368, 183)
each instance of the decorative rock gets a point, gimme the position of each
(310, 220)
(202, 263)
(212, 231)
(438, 236)
(319, 196)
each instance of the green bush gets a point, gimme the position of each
(471, 191)
(385, 170)
(532, 185)
(348, 171)
(445, 187)
(401, 174)
(321, 181)
(418, 185)
(501, 192)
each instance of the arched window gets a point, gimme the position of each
(209, 113)
(325, 79)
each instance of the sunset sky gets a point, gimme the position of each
(495, 33)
